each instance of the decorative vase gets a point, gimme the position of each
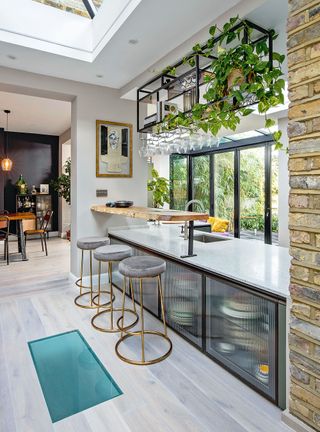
(21, 185)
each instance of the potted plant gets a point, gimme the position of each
(62, 185)
(160, 188)
(238, 74)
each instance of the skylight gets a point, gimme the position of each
(85, 8)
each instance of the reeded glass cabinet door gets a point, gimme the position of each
(182, 293)
(241, 333)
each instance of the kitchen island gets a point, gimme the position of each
(229, 300)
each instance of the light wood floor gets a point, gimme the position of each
(186, 392)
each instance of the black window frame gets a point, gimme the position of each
(265, 141)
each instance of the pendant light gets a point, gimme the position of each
(6, 163)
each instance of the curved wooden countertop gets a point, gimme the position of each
(147, 213)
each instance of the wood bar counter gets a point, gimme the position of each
(155, 214)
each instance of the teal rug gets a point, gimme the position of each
(71, 376)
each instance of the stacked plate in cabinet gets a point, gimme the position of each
(181, 312)
(244, 333)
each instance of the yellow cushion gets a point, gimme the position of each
(218, 224)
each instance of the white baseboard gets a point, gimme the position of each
(296, 424)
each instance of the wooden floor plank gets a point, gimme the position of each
(186, 392)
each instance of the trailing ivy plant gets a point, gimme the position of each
(160, 188)
(240, 72)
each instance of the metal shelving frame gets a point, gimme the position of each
(150, 91)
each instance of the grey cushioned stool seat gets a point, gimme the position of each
(90, 243)
(142, 266)
(112, 253)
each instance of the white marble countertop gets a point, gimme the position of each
(249, 261)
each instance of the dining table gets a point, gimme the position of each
(19, 218)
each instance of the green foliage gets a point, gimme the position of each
(251, 186)
(160, 188)
(240, 70)
(63, 182)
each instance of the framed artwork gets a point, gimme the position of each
(113, 149)
(44, 188)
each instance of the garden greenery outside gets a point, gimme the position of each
(251, 186)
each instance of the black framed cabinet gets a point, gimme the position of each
(239, 327)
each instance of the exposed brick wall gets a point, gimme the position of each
(304, 220)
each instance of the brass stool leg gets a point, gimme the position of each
(132, 296)
(110, 309)
(162, 305)
(81, 271)
(125, 333)
(99, 285)
(124, 286)
(91, 285)
(142, 323)
(89, 288)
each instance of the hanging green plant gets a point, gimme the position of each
(238, 76)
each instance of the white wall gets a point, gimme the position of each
(89, 103)
(283, 209)
(65, 220)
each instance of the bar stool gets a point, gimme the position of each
(111, 254)
(88, 244)
(142, 267)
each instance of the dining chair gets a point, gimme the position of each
(42, 231)
(5, 232)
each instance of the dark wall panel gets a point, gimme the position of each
(36, 157)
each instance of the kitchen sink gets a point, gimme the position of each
(205, 238)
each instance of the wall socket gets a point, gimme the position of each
(101, 193)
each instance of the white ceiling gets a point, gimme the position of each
(34, 114)
(159, 27)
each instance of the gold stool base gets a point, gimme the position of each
(93, 304)
(79, 284)
(145, 362)
(84, 306)
(103, 305)
(113, 329)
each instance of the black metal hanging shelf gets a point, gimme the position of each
(178, 93)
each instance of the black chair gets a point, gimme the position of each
(5, 232)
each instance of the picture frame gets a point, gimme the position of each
(114, 141)
(44, 188)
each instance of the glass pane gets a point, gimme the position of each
(71, 376)
(252, 193)
(182, 293)
(74, 6)
(179, 182)
(224, 187)
(201, 181)
(275, 195)
(241, 333)
(97, 3)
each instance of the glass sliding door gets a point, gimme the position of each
(252, 193)
(239, 184)
(179, 181)
(201, 181)
(223, 193)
